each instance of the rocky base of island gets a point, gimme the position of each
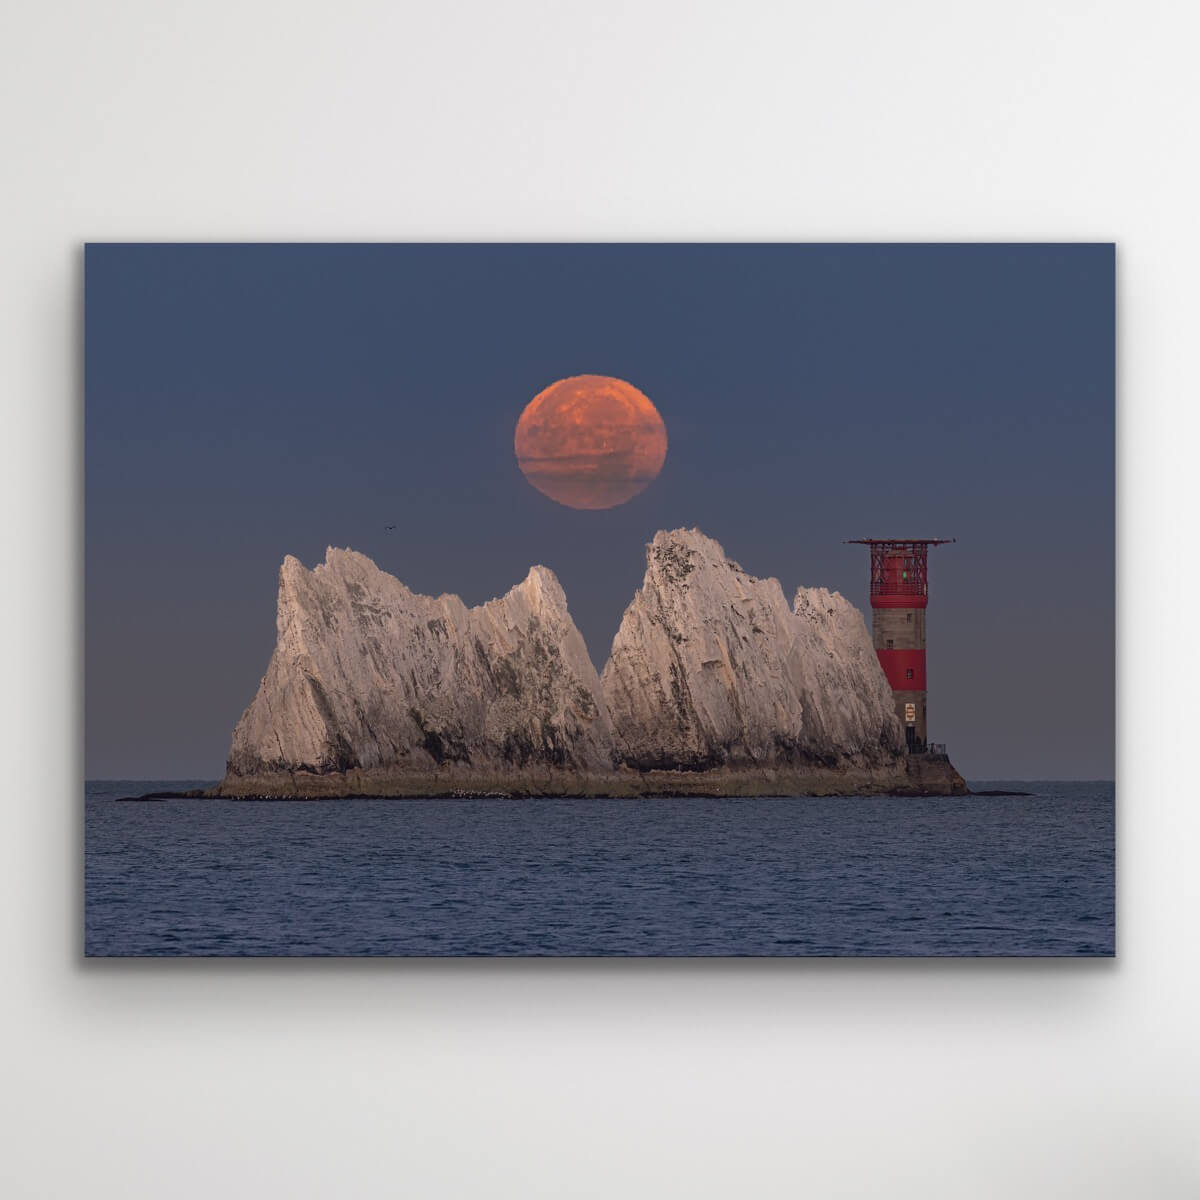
(917, 777)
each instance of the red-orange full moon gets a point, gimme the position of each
(590, 441)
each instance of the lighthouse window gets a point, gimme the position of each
(908, 617)
(908, 673)
(890, 644)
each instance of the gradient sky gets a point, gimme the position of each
(244, 402)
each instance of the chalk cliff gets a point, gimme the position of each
(367, 674)
(714, 687)
(712, 668)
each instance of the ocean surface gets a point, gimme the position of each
(973, 875)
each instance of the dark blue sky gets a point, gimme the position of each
(244, 402)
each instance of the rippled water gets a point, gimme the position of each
(976, 875)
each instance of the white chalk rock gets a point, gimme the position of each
(712, 668)
(368, 674)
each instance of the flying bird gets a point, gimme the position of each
(389, 527)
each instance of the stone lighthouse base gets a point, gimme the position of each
(932, 774)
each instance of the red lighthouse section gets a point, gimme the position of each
(899, 597)
(900, 575)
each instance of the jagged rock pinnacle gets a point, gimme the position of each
(368, 674)
(711, 667)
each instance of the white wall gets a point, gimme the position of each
(926, 119)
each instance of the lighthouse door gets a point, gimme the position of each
(910, 735)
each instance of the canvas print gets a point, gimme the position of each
(599, 600)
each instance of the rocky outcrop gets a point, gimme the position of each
(367, 674)
(714, 687)
(711, 668)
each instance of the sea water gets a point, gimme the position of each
(880, 875)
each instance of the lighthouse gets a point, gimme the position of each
(899, 597)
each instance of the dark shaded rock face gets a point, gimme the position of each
(714, 685)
